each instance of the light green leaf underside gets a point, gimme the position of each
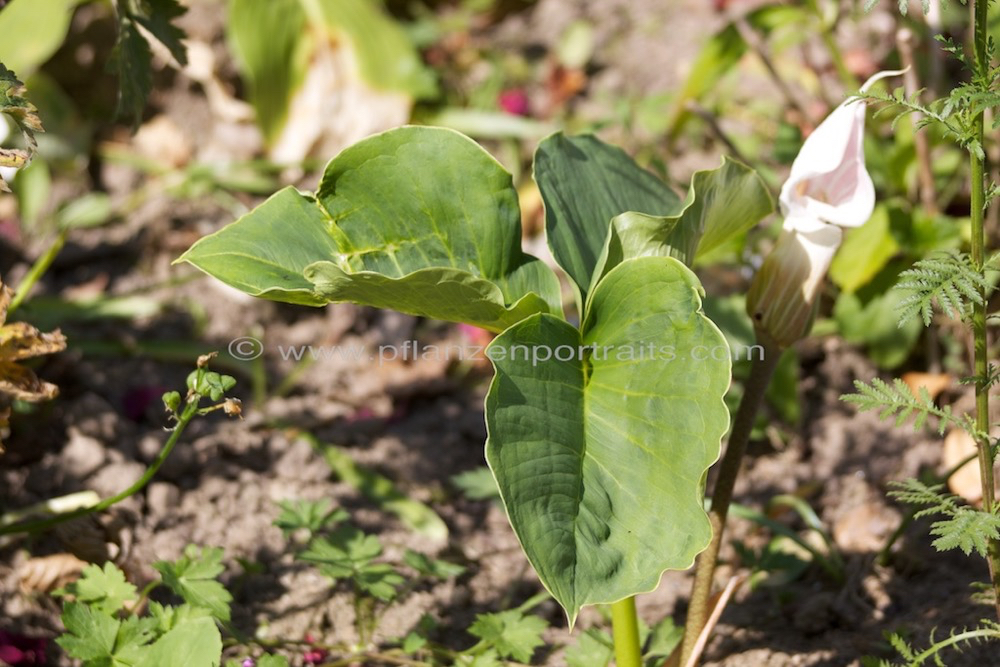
(600, 463)
(721, 204)
(417, 219)
(585, 183)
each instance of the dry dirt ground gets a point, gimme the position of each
(419, 424)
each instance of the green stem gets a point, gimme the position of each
(37, 270)
(761, 371)
(189, 412)
(625, 627)
(978, 213)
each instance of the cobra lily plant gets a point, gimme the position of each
(828, 189)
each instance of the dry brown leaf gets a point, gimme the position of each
(966, 481)
(44, 574)
(20, 340)
(934, 383)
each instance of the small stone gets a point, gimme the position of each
(116, 477)
(83, 454)
(162, 498)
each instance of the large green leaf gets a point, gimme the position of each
(417, 219)
(721, 203)
(600, 459)
(585, 183)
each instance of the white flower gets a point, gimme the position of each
(829, 188)
(829, 183)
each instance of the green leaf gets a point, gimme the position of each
(431, 567)
(90, 633)
(511, 633)
(593, 648)
(194, 643)
(272, 661)
(476, 484)
(865, 251)
(105, 589)
(343, 553)
(193, 578)
(721, 204)
(156, 16)
(420, 220)
(720, 54)
(590, 454)
(132, 57)
(869, 317)
(265, 253)
(132, 61)
(379, 580)
(310, 515)
(663, 639)
(272, 46)
(386, 57)
(33, 32)
(414, 514)
(275, 41)
(584, 183)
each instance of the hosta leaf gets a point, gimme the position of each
(420, 220)
(585, 183)
(720, 204)
(600, 460)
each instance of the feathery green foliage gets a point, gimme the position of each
(987, 630)
(897, 399)
(964, 527)
(947, 280)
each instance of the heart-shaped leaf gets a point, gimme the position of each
(600, 459)
(585, 183)
(417, 219)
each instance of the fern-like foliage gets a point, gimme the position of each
(904, 5)
(897, 400)
(963, 527)
(948, 280)
(987, 630)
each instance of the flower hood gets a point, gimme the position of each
(828, 183)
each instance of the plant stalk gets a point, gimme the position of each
(625, 628)
(37, 270)
(761, 371)
(189, 412)
(978, 213)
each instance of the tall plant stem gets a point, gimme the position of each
(185, 417)
(978, 213)
(761, 371)
(625, 627)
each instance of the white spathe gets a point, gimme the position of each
(829, 183)
(828, 189)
